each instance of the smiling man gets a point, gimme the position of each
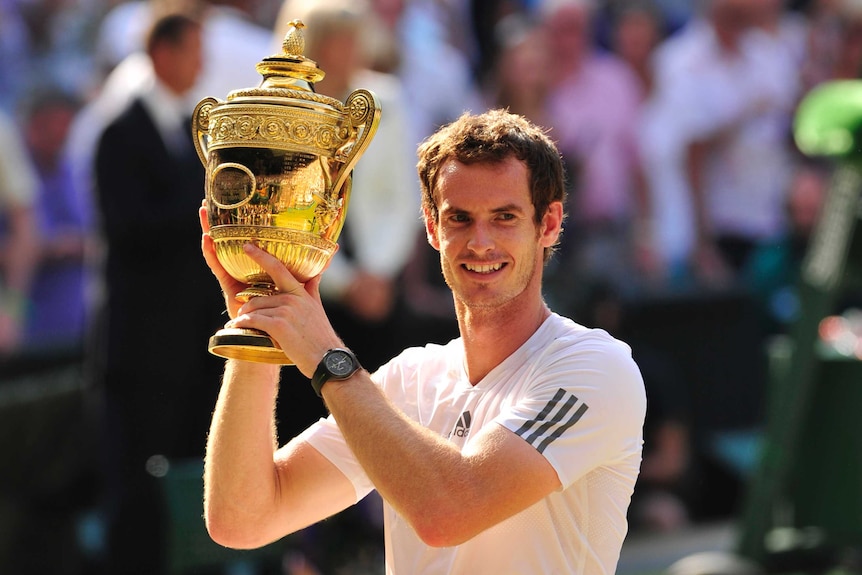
(512, 449)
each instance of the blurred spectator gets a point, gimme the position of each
(519, 80)
(833, 42)
(19, 240)
(787, 28)
(124, 72)
(158, 380)
(61, 33)
(411, 39)
(58, 316)
(594, 103)
(121, 33)
(233, 44)
(485, 19)
(773, 270)
(718, 178)
(637, 27)
(15, 51)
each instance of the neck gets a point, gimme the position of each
(490, 335)
(728, 38)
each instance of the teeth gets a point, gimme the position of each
(483, 268)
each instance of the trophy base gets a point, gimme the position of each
(247, 345)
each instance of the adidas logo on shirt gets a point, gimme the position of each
(462, 428)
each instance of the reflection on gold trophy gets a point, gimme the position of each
(279, 161)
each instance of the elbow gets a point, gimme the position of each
(443, 535)
(231, 531)
(444, 529)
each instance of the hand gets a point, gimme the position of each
(229, 286)
(294, 316)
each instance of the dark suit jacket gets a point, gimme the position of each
(162, 301)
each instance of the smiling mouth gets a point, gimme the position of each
(483, 268)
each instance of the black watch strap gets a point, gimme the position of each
(338, 363)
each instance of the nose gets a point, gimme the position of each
(481, 238)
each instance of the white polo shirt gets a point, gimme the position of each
(574, 394)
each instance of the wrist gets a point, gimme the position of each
(337, 364)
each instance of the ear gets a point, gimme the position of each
(552, 224)
(431, 229)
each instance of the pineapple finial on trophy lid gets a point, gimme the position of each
(290, 69)
(294, 39)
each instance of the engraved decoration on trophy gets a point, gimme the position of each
(279, 161)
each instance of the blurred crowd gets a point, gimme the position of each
(689, 205)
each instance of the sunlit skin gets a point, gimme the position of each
(490, 245)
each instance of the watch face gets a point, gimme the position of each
(339, 363)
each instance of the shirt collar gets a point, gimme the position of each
(167, 109)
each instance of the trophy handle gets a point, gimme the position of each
(363, 114)
(201, 127)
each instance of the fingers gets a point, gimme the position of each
(203, 215)
(281, 276)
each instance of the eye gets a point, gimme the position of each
(459, 218)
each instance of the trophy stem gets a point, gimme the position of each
(256, 289)
(247, 345)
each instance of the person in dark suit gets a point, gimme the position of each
(159, 383)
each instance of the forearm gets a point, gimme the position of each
(425, 478)
(240, 478)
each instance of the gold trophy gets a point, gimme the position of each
(279, 161)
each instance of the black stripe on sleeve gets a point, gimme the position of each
(547, 430)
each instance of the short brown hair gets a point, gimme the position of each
(169, 28)
(493, 137)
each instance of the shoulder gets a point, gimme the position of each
(130, 116)
(589, 362)
(126, 128)
(569, 338)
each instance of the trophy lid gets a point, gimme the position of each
(289, 76)
(290, 68)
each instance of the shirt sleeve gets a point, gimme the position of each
(585, 409)
(326, 438)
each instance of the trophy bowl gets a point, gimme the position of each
(279, 161)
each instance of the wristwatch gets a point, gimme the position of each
(338, 363)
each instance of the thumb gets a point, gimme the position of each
(312, 287)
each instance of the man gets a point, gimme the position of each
(152, 359)
(512, 449)
(595, 100)
(716, 135)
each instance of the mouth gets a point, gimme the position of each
(484, 268)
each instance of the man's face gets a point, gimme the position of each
(490, 246)
(179, 65)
